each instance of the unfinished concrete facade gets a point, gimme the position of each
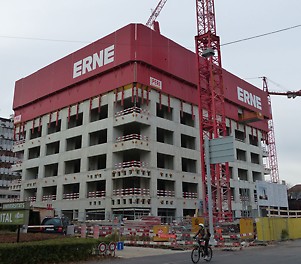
(131, 148)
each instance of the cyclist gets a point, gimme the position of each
(203, 234)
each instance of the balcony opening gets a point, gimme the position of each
(71, 191)
(96, 189)
(49, 193)
(30, 195)
(190, 190)
(165, 188)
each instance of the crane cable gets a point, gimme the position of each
(261, 35)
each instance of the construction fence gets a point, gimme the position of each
(278, 228)
(234, 235)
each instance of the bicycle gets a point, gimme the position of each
(198, 252)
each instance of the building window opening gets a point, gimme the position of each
(74, 143)
(36, 132)
(72, 166)
(75, 120)
(188, 165)
(54, 127)
(97, 114)
(165, 161)
(164, 112)
(187, 119)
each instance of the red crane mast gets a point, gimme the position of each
(151, 22)
(271, 142)
(212, 116)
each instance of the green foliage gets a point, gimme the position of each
(114, 237)
(10, 228)
(48, 251)
(284, 234)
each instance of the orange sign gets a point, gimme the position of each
(160, 231)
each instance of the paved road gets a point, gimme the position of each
(284, 252)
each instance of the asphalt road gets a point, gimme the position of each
(279, 253)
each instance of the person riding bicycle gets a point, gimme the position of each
(203, 234)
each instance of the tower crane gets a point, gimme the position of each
(152, 23)
(271, 143)
(212, 116)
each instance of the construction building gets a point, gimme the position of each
(7, 159)
(113, 129)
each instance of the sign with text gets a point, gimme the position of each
(14, 213)
(155, 83)
(14, 217)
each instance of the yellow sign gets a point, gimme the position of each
(246, 228)
(161, 233)
(195, 221)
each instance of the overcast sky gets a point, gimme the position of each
(35, 33)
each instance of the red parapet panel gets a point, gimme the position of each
(96, 58)
(75, 94)
(245, 95)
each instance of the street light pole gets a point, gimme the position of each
(210, 203)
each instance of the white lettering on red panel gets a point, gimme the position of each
(17, 119)
(250, 99)
(156, 83)
(94, 61)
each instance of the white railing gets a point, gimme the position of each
(96, 194)
(165, 193)
(50, 197)
(190, 195)
(31, 198)
(128, 164)
(70, 196)
(131, 137)
(130, 191)
(131, 110)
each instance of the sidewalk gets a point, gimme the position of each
(134, 252)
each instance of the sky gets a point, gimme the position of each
(35, 33)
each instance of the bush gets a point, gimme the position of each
(10, 228)
(284, 234)
(49, 251)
